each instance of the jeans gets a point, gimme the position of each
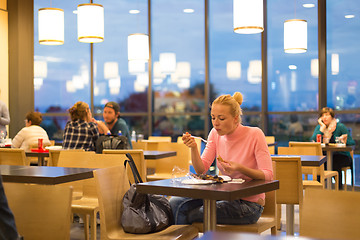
(188, 210)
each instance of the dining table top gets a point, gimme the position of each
(43, 174)
(215, 191)
(307, 160)
(153, 155)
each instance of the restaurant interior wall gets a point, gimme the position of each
(155, 102)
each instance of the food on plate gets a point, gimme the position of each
(215, 178)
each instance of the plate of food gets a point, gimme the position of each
(225, 178)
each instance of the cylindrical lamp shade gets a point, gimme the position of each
(111, 70)
(138, 47)
(295, 36)
(90, 17)
(248, 16)
(51, 26)
(136, 66)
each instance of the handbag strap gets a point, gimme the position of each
(133, 168)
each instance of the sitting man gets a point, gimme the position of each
(113, 121)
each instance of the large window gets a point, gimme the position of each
(235, 59)
(292, 78)
(61, 73)
(343, 54)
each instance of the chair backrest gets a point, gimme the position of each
(308, 148)
(270, 139)
(111, 185)
(54, 155)
(288, 171)
(9, 156)
(40, 211)
(139, 145)
(160, 138)
(181, 159)
(270, 204)
(330, 214)
(120, 155)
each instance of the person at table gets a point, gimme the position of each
(82, 131)
(28, 136)
(4, 118)
(330, 129)
(8, 228)
(115, 124)
(241, 152)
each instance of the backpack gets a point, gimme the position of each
(111, 142)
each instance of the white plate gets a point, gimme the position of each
(197, 181)
(54, 147)
(225, 178)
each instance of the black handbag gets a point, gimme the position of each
(111, 142)
(144, 213)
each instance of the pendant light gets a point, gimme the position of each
(90, 17)
(295, 35)
(138, 47)
(51, 26)
(248, 16)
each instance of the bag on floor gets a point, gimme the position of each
(144, 213)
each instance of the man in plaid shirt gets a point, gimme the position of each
(82, 131)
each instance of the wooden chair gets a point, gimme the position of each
(9, 156)
(288, 171)
(344, 170)
(160, 138)
(40, 211)
(265, 222)
(138, 157)
(198, 143)
(139, 145)
(54, 155)
(330, 214)
(112, 184)
(164, 167)
(314, 148)
(270, 139)
(84, 201)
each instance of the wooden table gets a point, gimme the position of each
(307, 160)
(43, 174)
(209, 193)
(153, 155)
(40, 155)
(330, 149)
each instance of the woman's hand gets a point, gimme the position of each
(321, 122)
(189, 141)
(343, 138)
(229, 167)
(101, 126)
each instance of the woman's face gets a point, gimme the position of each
(326, 118)
(223, 122)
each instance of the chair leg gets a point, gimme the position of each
(93, 225)
(290, 219)
(278, 216)
(273, 231)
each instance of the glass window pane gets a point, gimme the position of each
(343, 32)
(235, 59)
(114, 79)
(178, 54)
(294, 127)
(54, 126)
(292, 81)
(61, 73)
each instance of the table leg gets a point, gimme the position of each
(290, 219)
(41, 161)
(329, 160)
(209, 215)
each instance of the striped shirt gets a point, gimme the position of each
(80, 135)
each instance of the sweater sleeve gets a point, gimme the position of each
(262, 156)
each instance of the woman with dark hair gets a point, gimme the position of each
(29, 135)
(82, 131)
(330, 129)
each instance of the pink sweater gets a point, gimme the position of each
(247, 146)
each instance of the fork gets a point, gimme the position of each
(200, 139)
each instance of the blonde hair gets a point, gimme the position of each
(234, 102)
(78, 111)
